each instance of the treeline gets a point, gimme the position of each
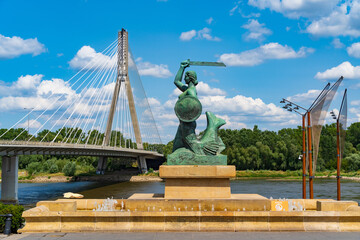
(71, 165)
(253, 149)
(75, 136)
(247, 149)
(259, 150)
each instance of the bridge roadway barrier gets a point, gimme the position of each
(10, 150)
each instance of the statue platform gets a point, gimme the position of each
(197, 182)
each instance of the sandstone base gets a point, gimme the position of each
(197, 182)
(149, 212)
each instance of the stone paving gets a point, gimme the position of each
(188, 236)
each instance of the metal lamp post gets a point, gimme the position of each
(340, 124)
(293, 107)
(30, 109)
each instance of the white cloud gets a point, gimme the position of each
(345, 69)
(305, 98)
(203, 89)
(153, 101)
(257, 31)
(204, 33)
(343, 21)
(238, 111)
(355, 103)
(231, 12)
(354, 50)
(87, 58)
(265, 52)
(154, 70)
(11, 47)
(187, 36)
(24, 85)
(356, 112)
(31, 91)
(337, 43)
(297, 8)
(209, 21)
(32, 123)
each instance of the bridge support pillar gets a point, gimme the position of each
(142, 164)
(101, 165)
(9, 179)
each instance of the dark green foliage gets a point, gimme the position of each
(53, 169)
(116, 164)
(351, 163)
(17, 220)
(257, 150)
(34, 167)
(69, 169)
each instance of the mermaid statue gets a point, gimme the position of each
(189, 148)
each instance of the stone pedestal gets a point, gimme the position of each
(197, 182)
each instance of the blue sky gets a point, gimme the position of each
(273, 49)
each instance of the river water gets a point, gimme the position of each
(30, 193)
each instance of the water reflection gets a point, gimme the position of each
(323, 188)
(30, 193)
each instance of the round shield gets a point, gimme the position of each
(188, 108)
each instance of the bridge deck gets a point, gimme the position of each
(11, 148)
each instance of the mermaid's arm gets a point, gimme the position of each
(179, 76)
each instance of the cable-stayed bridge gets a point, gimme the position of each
(100, 111)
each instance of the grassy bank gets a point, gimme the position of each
(247, 174)
(276, 174)
(289, 174)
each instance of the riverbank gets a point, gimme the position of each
(132, 175)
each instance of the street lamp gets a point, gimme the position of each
(30, 109)
(293, 107)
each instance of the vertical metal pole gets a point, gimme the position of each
(311, 177)
(123, 77)
(119, 79)
(338, 159)
(304, 157)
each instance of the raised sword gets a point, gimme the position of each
(198, 63)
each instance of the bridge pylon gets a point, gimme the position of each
(122, 78)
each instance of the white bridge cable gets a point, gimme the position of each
(107, 76)
(103, 101)
(102, 122)
(34, 109)
(149, 130)
(61, 95)
(91, 83)
(82, 116)
(85, 90)
(71, 115)
(99, 73)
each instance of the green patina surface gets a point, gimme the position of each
(189, 148)
(183, 156)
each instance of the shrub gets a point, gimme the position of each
(34, 167)
(17, 221)
(69, 169)
(48, 164)
(150, 170)
(61, 163)
(53, 168)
